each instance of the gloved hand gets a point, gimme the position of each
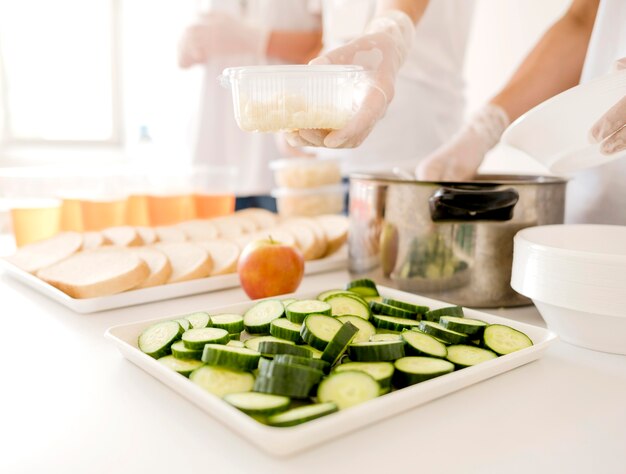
(610, 129)
(220, 34)
(381, 50)
(459, 159)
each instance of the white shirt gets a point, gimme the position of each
(598, 195)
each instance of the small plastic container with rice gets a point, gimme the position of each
(292, 97)
(293, 202)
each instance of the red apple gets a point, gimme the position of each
(270, 268)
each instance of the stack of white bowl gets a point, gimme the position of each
(576, 276)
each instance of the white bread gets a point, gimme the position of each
(147, 234)
(263, 218)
(170, 234)
(158, 263)
(321, 245)
(335, 227)
(224, 254)
(281, 235)
(96, 272)
(123, 236)
(231, 227)
(305, 239)
(93, 239)
(199, 230)
(189, 261)
(38, 255)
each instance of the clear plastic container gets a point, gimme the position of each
(309, 201)
(306, 172)
(283, 98)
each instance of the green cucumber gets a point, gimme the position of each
(318, 330)
(412, 370)
(182, 366)
(325, 294)
(302, 414)
(253, 403)
(413, 308)
(462, 355)
(180, 351)
(447, 335)
(363, 287)
(471, 327)
(283, 386)
(379, 371)
(347, 389)
(185, 323)
(379, 351)
(504, 339)
(158, 338)
(199, 320)
(306, 361)
(422, 344)
(221, 381)
(275, 347)
(386, 337)
(288, 301)
(285, 329)
(366, 329)
(298, 374)
(257, 319)
(392, 323)
(377, 299)
(345, 304)
(253, 342)
(435, 314)
(195, 339)
(315, 353)
(233, 323)
(238, 358)
(339, 343)
(298, 310)
(382, 308)
(235, 343)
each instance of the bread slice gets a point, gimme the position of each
(305, 239)
(231, 227)
(158, 263)
(335, 227)
(199, 230)
(189, 261)
(263, 218)
(224, 254)
(321, 245)
(147, 234)
(38, 255)
(170, 234)
(96, 272)
(93, 239)
(123, 236)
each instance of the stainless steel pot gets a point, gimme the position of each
(449, 241)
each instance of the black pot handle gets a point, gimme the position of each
(459, 204)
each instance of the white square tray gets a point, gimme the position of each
(284, 441)
(337, 261)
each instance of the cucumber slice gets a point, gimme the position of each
(235, 336)
(298, 374)
(199, 320)
(276, 347)
(347, 389)
(366, 329)
(447, 335)
(158, 338)
(345, 304)
(254, 403)
(306, 361)
(412, 370)
(471, 327)
(376, 351)
(235, 343)
(377, 299)
(233, 323)
(421, 344)
(413, 308)
(295, 416)
(288, 301)
(315, 353)
(325, 294)
(237, 358)
(394, 324)
(282, 386)
(386, 337)
(253, 342)
(285, 329)
(221, 381)
(339, 343)
(504, 339)
(195, 339)
(182, 366)
(257, 319)
(379, 371)
(462, 355)
(318, 330)
(180, 351)
(185, 323)
(298, 310)
(382, 308)
(363, 287)
(435, 314)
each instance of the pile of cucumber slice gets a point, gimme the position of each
(291, 361)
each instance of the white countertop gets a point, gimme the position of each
(70, 403)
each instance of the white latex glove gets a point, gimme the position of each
(220, 34)
(381, 50)
(610, 129)
(459, 159)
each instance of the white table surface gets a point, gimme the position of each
(70, 403)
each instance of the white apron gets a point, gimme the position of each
(598, 195)
(428, 105)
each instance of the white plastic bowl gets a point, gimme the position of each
(309, 201)
(306, 172)
(576, 276)
(283, 98)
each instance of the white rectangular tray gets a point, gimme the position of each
(284, 441)
(337, 261)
